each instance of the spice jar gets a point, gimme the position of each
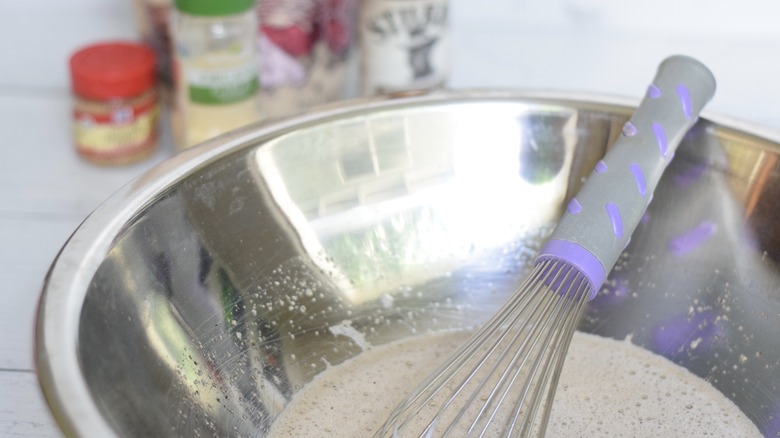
(152, 22)
(307, 53)
(115, 108)
(215, 68)
(405, 45)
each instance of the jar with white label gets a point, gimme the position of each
(215, 68)
(405, 45)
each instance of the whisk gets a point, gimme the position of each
(503, 380)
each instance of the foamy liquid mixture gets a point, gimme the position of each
(607, 388)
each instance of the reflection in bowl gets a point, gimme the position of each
(199, 299)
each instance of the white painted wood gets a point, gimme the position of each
(659, 17)
(39, 157)
(23, 411)
(39, 37)
(30, 244)
(591, 58)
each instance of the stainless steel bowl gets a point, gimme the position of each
(202, 296)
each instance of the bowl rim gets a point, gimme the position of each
(66, 283)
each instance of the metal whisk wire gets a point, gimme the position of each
(507, 364)
(549, 317)
(476, 392)
(570, 304)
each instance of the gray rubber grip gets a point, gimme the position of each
(605, 212)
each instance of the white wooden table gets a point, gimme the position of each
(572, 45)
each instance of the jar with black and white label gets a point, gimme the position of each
(405, 45)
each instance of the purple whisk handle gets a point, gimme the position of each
(575, 257)
(599, 222)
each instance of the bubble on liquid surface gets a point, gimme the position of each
(387, 301)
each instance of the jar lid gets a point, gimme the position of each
(214, 8)
(112, 70)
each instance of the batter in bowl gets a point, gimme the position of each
(607, 388)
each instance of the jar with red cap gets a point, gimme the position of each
(116, 103)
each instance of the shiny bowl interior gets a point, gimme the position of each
(202, 296)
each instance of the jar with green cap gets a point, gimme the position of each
(215, 68)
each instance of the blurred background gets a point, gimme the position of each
(581, 46)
